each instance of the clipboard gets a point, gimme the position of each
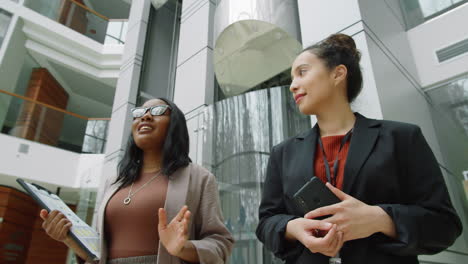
(85, 236)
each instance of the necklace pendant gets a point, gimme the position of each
(127, 201)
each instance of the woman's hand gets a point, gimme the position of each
(56, 225)
(355, 218)
(306, 231)
(174, 235)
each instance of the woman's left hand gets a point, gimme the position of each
(174, 235)
(353, 217)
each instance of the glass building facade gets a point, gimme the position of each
(236, 136)
(226, 64)
(416, 12)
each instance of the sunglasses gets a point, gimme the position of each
(154, 110)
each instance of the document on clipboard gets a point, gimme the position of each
(85, 236)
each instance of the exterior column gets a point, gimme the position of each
(126, 91)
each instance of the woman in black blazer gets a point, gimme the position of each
(394, 202)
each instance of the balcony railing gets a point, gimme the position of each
(26, 118)
(82, 19)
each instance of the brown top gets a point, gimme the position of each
(132, 230)
(331, 145)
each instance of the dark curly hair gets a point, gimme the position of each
(340, 49)
(175, 150)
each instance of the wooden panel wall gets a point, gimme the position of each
(22, 239)
(43, 249)
(37, 122)
(18, 212)
(73, 16)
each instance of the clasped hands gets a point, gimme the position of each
(348, 220)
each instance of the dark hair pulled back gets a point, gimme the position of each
(340, 49)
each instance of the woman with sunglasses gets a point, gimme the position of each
(160, 207)
(394, 202)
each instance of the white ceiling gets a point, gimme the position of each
(87, 96)
(85, 86)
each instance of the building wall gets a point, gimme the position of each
(126, 91)
(383, 20)
(194, 81)
(194, 85)
(403, 99)
(319, 19)
(433, 35)
(401, 96)
(34, 165)
(25, 159)
(342, 16)
(405, 103)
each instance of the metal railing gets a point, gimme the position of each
(82, 19)
(29, 119)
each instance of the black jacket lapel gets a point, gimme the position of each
(364, 136)
(303, 163)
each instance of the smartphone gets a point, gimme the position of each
(314, 194)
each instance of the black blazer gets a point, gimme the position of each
(389, 164)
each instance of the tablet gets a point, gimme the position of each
(85, 236)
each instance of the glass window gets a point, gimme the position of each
(429, 7)
(416, 12)
(48, 8)
(124, 30)
(111, 40)
(114, 28)
(95, 136)
(82, 19)
(5, 18)
(116, 32)
(449, 112)
(452, 99)
(236, 136)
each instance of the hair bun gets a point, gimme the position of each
(345, 42)
(340, 49)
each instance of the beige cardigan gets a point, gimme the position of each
(195, 187)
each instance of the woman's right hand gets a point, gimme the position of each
(55, 224)
(304, 231)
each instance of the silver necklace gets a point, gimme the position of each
(130, 194)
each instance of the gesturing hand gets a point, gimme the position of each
(353, 217)
(175, 234)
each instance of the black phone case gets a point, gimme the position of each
(314, 194)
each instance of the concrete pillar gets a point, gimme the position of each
(194, 85)
(126, 90)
